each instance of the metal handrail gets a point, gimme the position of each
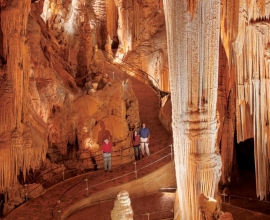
(135, 171)
(132, 171)
(69, 171)
(135, 67)
(241, 197)
(142, 75)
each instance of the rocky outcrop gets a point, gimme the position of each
(47, 113)
(56, 93)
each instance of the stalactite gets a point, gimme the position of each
(111, 18)
(137, 20)
(125, 26)
(253, 86)
(23, 145)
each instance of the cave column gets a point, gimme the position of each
(193, 29)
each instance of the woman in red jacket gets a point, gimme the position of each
(136, 144)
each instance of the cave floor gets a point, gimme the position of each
(242, 201)
(43, 206)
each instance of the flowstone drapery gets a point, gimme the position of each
(193, 65)
(252, 57)
(20, 145)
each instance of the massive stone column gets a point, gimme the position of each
(193, 29)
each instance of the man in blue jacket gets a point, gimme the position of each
(144, 136)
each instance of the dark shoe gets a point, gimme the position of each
(111, 171)
(106, 170)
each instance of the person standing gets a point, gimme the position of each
(135, 141)
(144, 138)
(107, 154)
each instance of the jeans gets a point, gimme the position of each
(137, 152)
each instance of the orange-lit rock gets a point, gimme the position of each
(57, 93)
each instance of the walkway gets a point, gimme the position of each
(42, 207)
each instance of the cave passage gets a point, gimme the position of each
(245, 154)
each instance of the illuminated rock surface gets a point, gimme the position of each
(59, 94)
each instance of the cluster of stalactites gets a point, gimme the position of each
(21, 147)
(253, 92)
(21, 153)
(15, 52)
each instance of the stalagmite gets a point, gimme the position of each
(122, 209)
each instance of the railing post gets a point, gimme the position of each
(171, 152)
(60, 208)
(224, 197)
(26, 192)
(136, 169)
(63, 171)
(87, 189)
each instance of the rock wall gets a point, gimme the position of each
(55, 86)
(48, 103)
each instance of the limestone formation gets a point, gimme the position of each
(45, 114)
(58, 96)
(122, 209)
(195, 83)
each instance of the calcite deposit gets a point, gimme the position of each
(219, 74)
(207, 60)
(122, 209)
